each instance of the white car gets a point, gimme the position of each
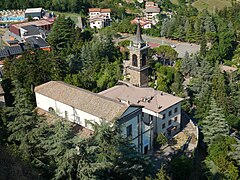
(173, 46)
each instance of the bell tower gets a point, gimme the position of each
(136, 68)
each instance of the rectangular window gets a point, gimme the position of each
(170, 113)
(175, 119)
(66, 115)
(85, 123)
(169, 122)
(78, 119)
(163, 116)
(150, 117)
(176, 109)
(163, 125)
(129, 131)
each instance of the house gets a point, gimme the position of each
(10, 51)
(99, 18)
(151, 11)
(35, 13)
(19, 30)
(97, 22)
(161, 108)
(145, 24)
(38, 43)
(80, 106)
(32, 33)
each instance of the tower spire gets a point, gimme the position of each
(138, 38)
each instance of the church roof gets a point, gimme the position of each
(138, 39)
(92, 103)
(151, 99)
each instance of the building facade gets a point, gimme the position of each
(151, 11)
(34, 13)
(160, 109)
(81, 106)
(99, 18)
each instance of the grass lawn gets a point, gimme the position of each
(211, 5)
(174, 2)
(73, 16)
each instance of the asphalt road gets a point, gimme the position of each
(180, 47)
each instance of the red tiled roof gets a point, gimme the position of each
(36, 23)
(153, 45)
(143, 21)
(105, 10)
(99, 10)
(94, 9)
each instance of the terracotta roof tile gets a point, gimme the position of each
(92, 103)
(151, 99)
(105, 10)
(94, 9)
(36, 23)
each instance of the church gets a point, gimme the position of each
(140, 111)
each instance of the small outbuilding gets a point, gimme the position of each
(34, 13)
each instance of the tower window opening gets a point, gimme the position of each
(134, 60)
(144, 60)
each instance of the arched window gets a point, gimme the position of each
(144, 60)
(50, 109)
(134, 60)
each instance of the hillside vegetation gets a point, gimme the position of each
(211, 5)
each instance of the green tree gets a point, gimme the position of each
(214, 124)
(162, 175)
(219, 89)
(161, 139)
(181, 167)
(218, 161)
(62, 35)
(59, 147)
(235, 154)
(22, 121)
(166, 53)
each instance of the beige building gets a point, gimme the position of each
(99, 18)
(151, 11)
(81, 106)
(161, 109)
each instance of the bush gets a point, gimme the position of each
(161, 139)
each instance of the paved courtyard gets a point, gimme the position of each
(185, 141)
